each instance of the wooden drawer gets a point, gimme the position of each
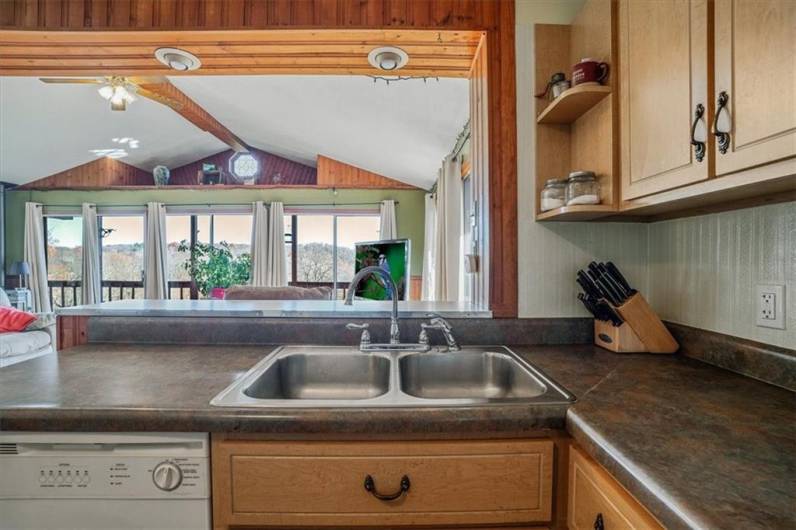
(593, 491)
(259, 483)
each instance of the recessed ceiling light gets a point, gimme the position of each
(388, 58)
(179, 60)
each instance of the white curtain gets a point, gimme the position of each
(155, 270)
(35, 253)
(276, 264)
(429, 247)
(388, 229)
(91, 283)
(259, 245)
(447, 244)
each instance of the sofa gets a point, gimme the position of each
(249, 292)
(38, 339)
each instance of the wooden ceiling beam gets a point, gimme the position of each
(161, 90)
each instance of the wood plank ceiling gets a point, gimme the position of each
(284, 51)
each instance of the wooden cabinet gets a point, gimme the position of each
(278, 484)
(663, 63)
(594, 494)
(755, 44)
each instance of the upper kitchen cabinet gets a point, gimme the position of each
(664, 48)
(755, 94)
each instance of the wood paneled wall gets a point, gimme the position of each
(335, 174)
(274, 170)
(100, 173)
(496, 17)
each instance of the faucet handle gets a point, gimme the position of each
(364, 339)
(437, 323)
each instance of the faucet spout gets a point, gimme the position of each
(395, 332)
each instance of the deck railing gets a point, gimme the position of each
(66, 293)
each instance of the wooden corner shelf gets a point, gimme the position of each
(579, 212)
(573, 103)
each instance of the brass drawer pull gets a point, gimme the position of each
(699, 147)
(370, 486)
(723, 137)
(598, 522)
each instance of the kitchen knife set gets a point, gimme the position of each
(624, 321)
(603, 283)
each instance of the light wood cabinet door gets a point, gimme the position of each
(756, 67)
(275, 484)
(663, 65)
(594, 494)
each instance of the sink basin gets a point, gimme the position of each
(340, 377)
(467, 375)
(317, 376)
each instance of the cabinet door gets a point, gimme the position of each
(756, 68)
(664, 76)
(594, 495)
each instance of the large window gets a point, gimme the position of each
(322, 246)
(210, 229)
(122, 256)
(64, 258)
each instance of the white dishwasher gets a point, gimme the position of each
(108, 481)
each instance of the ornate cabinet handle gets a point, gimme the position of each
(598, 522)
(722, 137)
(699, 147)
(370, 486)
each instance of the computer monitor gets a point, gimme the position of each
(389, 254)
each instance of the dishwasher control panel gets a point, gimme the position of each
(102, 476)
(104, 466)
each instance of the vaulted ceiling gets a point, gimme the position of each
(401, 131)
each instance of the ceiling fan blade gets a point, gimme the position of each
(154, 96)
(72, 80)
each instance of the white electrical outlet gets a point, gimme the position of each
(771, 306)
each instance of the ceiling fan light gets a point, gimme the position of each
(106, 91)
(118, 104)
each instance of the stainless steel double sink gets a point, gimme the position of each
(322, 376)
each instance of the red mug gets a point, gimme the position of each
(589, 71)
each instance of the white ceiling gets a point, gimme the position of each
(401, 131)
(45, 129)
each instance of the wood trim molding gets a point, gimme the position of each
(494, 17)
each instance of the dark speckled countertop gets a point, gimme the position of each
(699, 446)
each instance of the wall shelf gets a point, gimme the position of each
(573, 103)
(580, 212)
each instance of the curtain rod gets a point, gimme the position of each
(287, 205)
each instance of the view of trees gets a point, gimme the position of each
(123, 262)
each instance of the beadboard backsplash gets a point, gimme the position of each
(704, 271)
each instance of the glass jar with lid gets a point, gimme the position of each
(553, 194)
(582, 188)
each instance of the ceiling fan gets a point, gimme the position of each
(120, 90)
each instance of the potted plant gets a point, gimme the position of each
(214, 267)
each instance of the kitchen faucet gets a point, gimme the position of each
(422, 345)
(395, 332)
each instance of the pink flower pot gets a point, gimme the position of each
(217, 293)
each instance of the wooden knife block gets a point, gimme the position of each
(642, 330)
(621, 339)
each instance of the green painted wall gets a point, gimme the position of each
(410, 211)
